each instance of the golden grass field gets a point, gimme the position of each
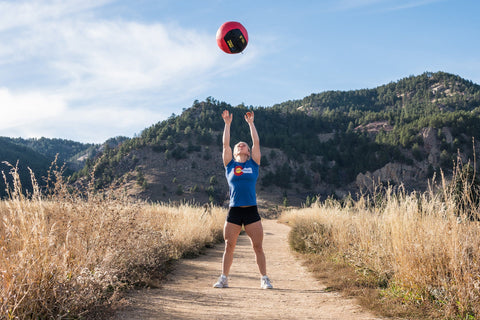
(65, 254)
(413, 248)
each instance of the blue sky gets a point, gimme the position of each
(89, 70)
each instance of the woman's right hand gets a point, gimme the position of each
(227, 117)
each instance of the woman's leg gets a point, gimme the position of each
(255, 232)
(230, 234)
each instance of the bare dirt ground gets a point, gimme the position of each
(188, 292)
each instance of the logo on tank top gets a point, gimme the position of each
(238, 171)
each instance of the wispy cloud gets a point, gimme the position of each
(128, 56)
(27, 108)
(17, 14)
(65, 63)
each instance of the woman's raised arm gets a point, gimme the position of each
(227, 150)
(256, 154)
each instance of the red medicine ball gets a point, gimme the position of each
(232, 37)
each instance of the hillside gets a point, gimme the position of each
(27, 158)
(39, 154)
(328, 144)
(68, 151)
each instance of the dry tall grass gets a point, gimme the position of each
(415, 246)
(64, 254)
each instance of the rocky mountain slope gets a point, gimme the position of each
(329, 144)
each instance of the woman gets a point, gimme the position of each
(241, 169)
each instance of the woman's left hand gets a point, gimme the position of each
(249, 116)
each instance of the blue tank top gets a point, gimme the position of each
(242, 178)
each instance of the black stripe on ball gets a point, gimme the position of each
(235, 40)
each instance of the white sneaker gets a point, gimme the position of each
(222, 282)
(265, 283)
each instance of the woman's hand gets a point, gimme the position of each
(249, 116)
(227, 117)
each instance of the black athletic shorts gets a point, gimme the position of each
(243, 216)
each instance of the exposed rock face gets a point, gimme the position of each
(409, 175)
(431, 145)
(375, 127)
(448, 135)
(393, 173)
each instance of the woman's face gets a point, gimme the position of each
(241, 148)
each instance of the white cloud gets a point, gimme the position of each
(71, 72)
(97, 124)
(35, 114)
(27, 108)
(129, 56)
(87, 58)
(17, 14)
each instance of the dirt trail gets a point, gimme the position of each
(188, 292)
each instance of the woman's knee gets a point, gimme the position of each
(230, 244)
(257, 247)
